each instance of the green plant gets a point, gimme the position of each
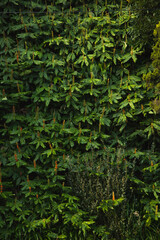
(70, 86)
(101, 181)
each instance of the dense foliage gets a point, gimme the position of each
(152, 78)
(146, 17)
(79, 130)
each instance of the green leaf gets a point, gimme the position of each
(49, 152)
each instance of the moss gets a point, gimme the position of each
(155, 104)
(153, 78)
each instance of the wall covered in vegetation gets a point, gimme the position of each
(79, 135)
